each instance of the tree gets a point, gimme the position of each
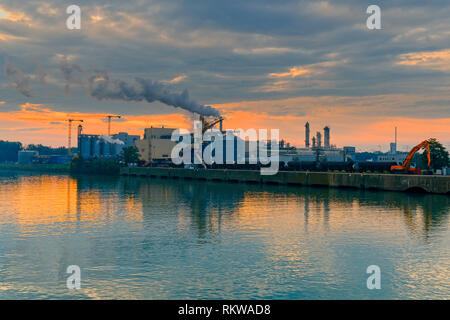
(438, 154)
(129, 155)
(9, 151)
(45, 150)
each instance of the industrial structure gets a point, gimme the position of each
(94, 145)
(307, 135)
(69, 144)
(319, 139)
(157, 144)
(326, 137)
(109, 117)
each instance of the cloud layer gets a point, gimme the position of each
(255, 55)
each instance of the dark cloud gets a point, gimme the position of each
(228, 48)
(20, 81)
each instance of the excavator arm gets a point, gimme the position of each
(405, 167)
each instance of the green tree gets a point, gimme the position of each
(438, 154)
(9, 151)
(129, 155)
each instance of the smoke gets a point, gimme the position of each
(101, 87)
(111, 140)
(71, 72)
(21, 81)
(41, 75)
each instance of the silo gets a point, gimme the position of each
(97, 148)
(106, 148)
(85, 146)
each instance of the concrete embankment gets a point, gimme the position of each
(389, 182)
(44, 168)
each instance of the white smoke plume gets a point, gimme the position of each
(101, 86)
(72, 73)
(21, 81)
(111, 140)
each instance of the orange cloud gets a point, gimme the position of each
(178, 79)
(436, 60)
(34, 123)
(367, 132)
(13, 16)
(364, 122)
(353, 121)
(293, 73)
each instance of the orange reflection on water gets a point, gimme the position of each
(44, 199)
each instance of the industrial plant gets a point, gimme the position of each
(155, 147)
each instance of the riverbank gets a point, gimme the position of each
(46, 168)
(387, 182)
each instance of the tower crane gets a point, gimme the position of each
(109, 122)
(69, 145)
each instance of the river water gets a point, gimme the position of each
(138, 238)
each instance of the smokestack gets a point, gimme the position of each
(307, 135)
(221, 125)
(80, 131)
(326, 138)
(319, 139)
(395, 138)
(314, 142)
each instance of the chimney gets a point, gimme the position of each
(326, 137)
(313, 142)
(307, 135)
(319, 139)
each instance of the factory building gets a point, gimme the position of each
(156, 145)
(310, 155)
(398, 157)
(92, 145)
(127, 139)
(26, 156)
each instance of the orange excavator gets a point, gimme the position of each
(405, 167)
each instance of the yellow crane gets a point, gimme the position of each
(69, 145)
(109, 122)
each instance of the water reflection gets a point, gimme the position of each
(204, 206)
(162, 238)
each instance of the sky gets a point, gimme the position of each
(260, 63)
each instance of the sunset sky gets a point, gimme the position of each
(261, 63)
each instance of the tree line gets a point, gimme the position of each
(9, 150)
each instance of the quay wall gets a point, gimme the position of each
(388, 182)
